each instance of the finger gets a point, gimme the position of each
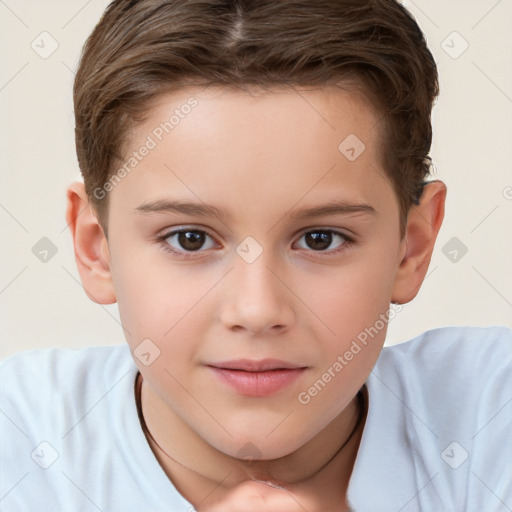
(256, 497)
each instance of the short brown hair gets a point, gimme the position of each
(141, 49)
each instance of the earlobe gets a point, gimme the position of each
(423, 224)
(90, 245)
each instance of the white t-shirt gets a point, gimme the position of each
(438, 436)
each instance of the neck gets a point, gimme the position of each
(322, 466)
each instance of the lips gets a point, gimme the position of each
(256, 378)
(249, 365)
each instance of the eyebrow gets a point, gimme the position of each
(334, 208)
(187, 208)
(208, 210)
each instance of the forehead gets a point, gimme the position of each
(217, 110)
(284, 144)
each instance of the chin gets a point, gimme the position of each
(250, 449)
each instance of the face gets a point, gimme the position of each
(253, 246)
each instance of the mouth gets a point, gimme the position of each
(256, 378)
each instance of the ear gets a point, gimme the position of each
(91, 246)
(423, 224)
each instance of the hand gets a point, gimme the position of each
(259, 497)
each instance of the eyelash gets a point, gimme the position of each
(347, 243)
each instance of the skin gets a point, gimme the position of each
(262, 157)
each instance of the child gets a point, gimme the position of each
(254, 201)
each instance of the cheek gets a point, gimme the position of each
(156, 299)
(352, 297)
(353, 304)
(163, 315)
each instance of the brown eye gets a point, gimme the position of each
(190, 240)
(318, 241)
(321, 240)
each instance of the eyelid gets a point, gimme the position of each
(347, 233)
(348, 240)
(165, 234)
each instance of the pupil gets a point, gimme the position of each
(191, 240)
(319, 240)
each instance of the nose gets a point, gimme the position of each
(256, 299)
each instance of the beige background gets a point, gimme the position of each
(42, 304)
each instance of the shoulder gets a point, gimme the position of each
(450, 338)
(475, 351)
(439, 422)
(53, 356)
(462, 368)
(39, 386)
(57, 412)
(54, 366)
(448, 383)
(451, 385)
